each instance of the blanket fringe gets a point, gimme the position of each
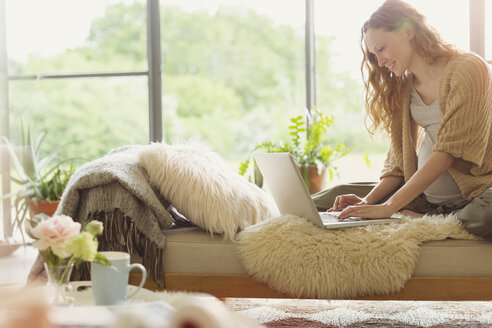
(121, 235)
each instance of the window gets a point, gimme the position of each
(90, 115)
(451, 19)
(81, 76)
(233, 72)
(60, 36)
(339, 85)
(95, 113)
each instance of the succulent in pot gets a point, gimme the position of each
(40, 178)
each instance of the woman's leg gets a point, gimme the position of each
(325, 198)
(419, 207)
(476, 217)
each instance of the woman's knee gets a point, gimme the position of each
(325, 198)
(478, 225)
(476, 217)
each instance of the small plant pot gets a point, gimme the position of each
(42, 206)
(314, 180)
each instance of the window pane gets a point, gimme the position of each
(92, 115)
(233, 72)
(64, 36)
(338, 58)
(450, 18)
(339, 85)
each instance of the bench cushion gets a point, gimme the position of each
(193, 251)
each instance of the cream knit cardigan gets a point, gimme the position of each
(465, 132)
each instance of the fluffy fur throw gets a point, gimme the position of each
(202, 187)
(294, 257)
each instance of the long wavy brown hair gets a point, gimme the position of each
(383, 90)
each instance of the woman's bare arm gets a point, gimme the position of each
(437, 163)
(382, 189)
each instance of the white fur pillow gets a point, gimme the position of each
(201, 185)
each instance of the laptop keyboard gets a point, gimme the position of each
(332, 217)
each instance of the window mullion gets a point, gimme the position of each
(310, 57)
(154, 73)
(477, 27)
(4, 125)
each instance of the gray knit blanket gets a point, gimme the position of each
(115, 189)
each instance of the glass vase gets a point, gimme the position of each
(59, 281)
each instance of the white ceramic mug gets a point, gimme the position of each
(109, 283)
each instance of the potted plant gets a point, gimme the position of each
(41, 179)
(313, 156)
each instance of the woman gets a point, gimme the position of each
(435, 102)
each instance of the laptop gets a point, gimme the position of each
(289, 192)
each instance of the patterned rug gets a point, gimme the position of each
(279, 313)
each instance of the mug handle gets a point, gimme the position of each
(144, 277)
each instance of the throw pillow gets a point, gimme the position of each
(202, 186)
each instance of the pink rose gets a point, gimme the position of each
(54, 233)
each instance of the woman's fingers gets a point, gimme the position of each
(345, 213)
(349, 211)
(367, 211)
(343, 201)
(336, 205)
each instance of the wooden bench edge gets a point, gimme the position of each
(417, 288)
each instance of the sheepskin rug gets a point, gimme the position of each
(293, 256)
(202, 187)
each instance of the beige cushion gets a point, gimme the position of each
(455, 258)
(191, 250)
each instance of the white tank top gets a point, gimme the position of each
(444, 189)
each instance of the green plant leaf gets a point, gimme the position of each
(367, 161)
(330, 170)
(243, 167)
(78, 263)
(19, 168)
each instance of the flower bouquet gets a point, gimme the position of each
(62, 245)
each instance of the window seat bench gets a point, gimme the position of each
(196, 261)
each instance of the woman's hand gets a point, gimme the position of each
(343, 201)
(379, 211)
